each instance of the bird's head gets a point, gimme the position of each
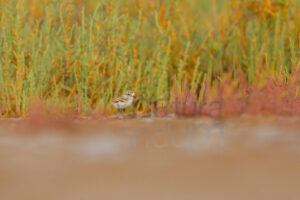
(130, 93)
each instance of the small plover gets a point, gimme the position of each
(124, 101)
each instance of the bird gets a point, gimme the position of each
(124, 101)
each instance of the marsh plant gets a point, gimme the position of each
(77, 56)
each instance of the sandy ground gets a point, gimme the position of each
(151, 158)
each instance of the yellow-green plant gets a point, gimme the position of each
(81, 54)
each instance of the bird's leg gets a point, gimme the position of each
(120, 116)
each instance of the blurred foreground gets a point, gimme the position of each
(151, 158)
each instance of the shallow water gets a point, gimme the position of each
(151, 158)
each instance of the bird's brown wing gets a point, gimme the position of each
(120, 100)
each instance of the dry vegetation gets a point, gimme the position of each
(76, 56)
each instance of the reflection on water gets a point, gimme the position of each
(130, 156)
(189, 136)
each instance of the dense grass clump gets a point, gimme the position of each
(76, 56)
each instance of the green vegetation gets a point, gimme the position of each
(79, 55)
